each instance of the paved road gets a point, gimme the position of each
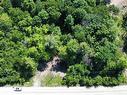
(120, 90)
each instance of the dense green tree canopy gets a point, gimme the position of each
(85, 35)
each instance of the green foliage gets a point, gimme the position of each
(125, 36)
(79, 3)
(51, 80)
(39, 6)
(5, 22)
(79, 14)
(43, 15)
(6, 4)
(81, 74)
(114, 9)
(36, 21)
(15, 59)
(54, 14)
(7, 74)
(28, 5)
(75, 74)
(69, 21)
(17, 14)
(72, 46)
(77, 31)
(25, 66)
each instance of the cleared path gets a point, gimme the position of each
(40, 75)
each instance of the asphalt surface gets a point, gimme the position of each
(119, 90)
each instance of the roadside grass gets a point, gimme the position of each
(29, 83)
(51, 80)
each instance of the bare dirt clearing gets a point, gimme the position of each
(122, 4)
(52, 68)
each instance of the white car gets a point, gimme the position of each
(18, 89)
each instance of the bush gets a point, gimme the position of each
(114, 9)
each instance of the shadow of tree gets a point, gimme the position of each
(60, 67)
(42, 66)
(56, 65)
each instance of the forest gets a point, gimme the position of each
(89, 37)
